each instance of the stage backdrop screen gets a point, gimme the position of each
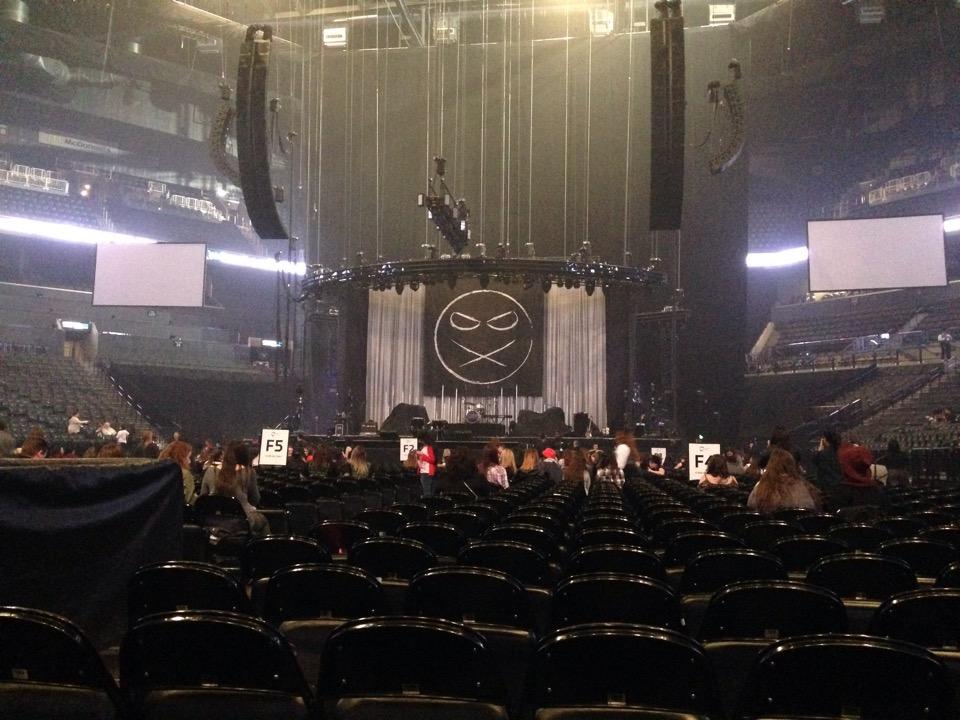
(876, 253)
(480, 341)
(155, 275)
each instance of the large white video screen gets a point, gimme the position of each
(154, 275)
(876, 253)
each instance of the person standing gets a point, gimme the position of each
(946, 344)
(427, 460)
(75, 424)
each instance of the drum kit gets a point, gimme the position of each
(477, 412)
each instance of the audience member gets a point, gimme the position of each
(717, 474)
(75, 424)
(359, 467)
(781, 486)
(180, 452)
(7, 444)
(897, 463)
(625, 450)
(148, 446)
(106, 431)
(857, 486)
(654, 466)
(123, 435)
(530, 469)
(110, 450)
(550, 467)
(608, 470)
(493, 471)
(509, 462)
(34, 447)
(235, 478)
(427, 465)
(734, 460)
(575, 468)
(824, 463)
(459, 473)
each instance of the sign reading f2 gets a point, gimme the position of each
(273, 446)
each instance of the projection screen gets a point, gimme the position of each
(876, 253)
(154, 275)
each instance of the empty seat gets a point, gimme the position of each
(928, 617)
(490, 601)
(211, 665)
(412, 511)
(532, 535)
(48, 669)
(685, 546)
(664, 532)
(264, 556)
(308, 601)
(549, 523)
(409, 667)
(442, 538)
(711, 570)
(833, 676)
(468, 523)
(339, 536)
(901, 527)
(182, 585)
(737, 521)
(859, 536)
(928, 558)
(620, 671)
(589, 522)
(863, 576)
(397, 558)
(611, 536)
(614, 597)
(944, 533)
(800, 552)
(525, 563)
(818, 523)
(382, 522)
(302, 516)
(764, 533)
(617, 559)
(743, 618)
(950, 576)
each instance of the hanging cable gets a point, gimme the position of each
(629, 153)
(530, 154)
(586, 222)
(503, 131)
(566, 126)
(483, 123)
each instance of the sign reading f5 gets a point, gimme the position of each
(273, 446)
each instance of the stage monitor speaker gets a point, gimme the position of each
(549, 423)
(401, 418)
(581, 423)
(667, 106)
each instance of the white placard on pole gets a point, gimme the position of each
(662, 452)
(406, 445)
(273, 446)
(698, 458)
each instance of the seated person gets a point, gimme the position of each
(782, 486)
(717, 474)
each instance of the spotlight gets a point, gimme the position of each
(414, 285)
(452, 281)
(546, 284)
(576, 284)
(399, 287)
(527, 282)
(568, 283)
(484, 280)
(591, 286)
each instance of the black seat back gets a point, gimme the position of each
(264, 556)
(392, 557)
(616, 559)
(321, 591)
(863, 575)
(711, 570)
(772, 610)
(442, 538)
(928, 617)
(382, 522)
(523, 562)
(613, 597)
(928, 558)
(823, 676)
(338, 536)
(799, 552)
(461, 593)
(631, 665)
(182, 585)
(683, 547)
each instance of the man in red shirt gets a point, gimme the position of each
(427, 465)
(858, 486)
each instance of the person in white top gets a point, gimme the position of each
(625, 450)
(106, 431)
(122, 436)
(75, 424)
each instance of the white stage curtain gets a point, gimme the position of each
(394, 351)
(574, 359)
(575, 353)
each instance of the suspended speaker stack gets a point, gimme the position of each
(667, 103)
(253, 145)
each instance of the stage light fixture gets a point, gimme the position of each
(527, 282)
(484, 280)
(415, 285)
(399, 287)
(568, 283)
(778, 258)
(546, 284)
(590, 287)
(952, 224)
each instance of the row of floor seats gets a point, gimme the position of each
(384, 625)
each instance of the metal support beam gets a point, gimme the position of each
(410, 27)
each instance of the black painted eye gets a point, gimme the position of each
(504, 321)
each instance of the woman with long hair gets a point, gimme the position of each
(782, 486)
(180, 452)
(625, 449)
(234, 477)
(509, 462)
(491, 468)
(530, 467)
(607, 470)
(575, 469)
(359, 467)
(717, 474)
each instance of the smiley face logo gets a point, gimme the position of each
(483, 337)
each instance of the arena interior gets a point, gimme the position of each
(527, 360)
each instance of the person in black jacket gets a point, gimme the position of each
(825, 466)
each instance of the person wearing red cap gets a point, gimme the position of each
(551, 468)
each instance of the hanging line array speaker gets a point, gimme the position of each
(731, 146)
(667, 105)
(253, 146)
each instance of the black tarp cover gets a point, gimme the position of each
(73, 532)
